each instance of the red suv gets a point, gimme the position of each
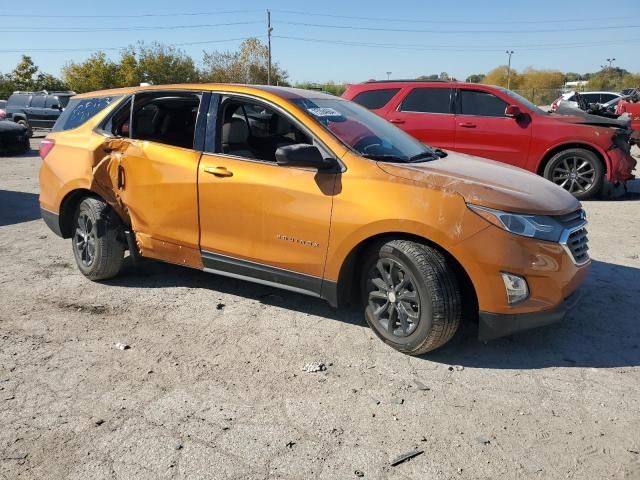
(577, 153)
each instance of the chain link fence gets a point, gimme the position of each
(540, 96)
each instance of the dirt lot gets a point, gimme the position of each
(212, 385)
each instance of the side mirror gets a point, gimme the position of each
(512, 111)
(301, 155)
(55, 107)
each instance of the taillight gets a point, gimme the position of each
(554, 105)
(46, 146)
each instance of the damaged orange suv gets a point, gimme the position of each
(314, 194)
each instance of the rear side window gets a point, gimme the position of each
(428, 100)
(79, 111)
(374, 99)
(591, 97)
(605, 97)
(474, 102)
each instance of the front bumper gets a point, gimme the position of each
(496, 325)
(622, 165)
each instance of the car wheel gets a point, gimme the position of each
(26, 125)
(98, 251)
(578, 171)
(411, 296)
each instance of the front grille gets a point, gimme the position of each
(578, 245)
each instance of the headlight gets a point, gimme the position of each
(534, 226)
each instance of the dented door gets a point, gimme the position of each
(154, 187)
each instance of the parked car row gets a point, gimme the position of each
(575, 153)
(319, 195)
(36, 110)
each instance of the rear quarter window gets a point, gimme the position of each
(374, 99)
(79, 111)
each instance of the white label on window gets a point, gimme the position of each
(324, 112)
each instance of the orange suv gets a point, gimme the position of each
(314, 194)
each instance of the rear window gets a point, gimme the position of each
(427, 100)
(374, 99)
(79, 111)
(19, 99)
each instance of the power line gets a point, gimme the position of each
(475, 32)
(124, 17)
(89, 49)
(122, 29)
(460, 48)
(470, 22)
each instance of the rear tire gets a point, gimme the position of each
(402, 278)
(26, 125)
(98, 252)
(577, 170)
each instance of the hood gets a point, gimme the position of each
(575, 115)
(488, 183)
(9, 126)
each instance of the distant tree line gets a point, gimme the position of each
(156, 63)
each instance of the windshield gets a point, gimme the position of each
(522, 100)
(365, 132)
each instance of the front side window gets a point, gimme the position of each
(427, 100)
(475, 102)
(255, 131)
(365, 132)
(78, 111)
(374, 99)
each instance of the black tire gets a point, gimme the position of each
(431, 293)
(97, 249)
(26, 125)
(577, 170)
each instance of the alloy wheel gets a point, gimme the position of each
(393, 298)
(85, 239)
(574, 174)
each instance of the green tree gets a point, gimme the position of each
(475, 78)
(23, 76)
(95, 73)
(500, 76)
(157, 64)
(248, 64)
(433, 76)
(334, 88)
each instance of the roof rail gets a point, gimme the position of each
(405, 80)
(45, 92)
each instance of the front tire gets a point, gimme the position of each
(578, 171)
(26, 125)
(98, 252)
(411, 296)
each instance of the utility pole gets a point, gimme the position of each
(269, 30)
(611, 60)
(509, 52)
(389, 75)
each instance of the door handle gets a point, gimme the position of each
(396, 120)
(467, 125)
(218, 171)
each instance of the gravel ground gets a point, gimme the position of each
(213, 384)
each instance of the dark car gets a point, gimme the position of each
(575, 152)
(37, 110)
(13, 138)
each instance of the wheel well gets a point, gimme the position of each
(348, 278)
(567, 146)
(68, 209)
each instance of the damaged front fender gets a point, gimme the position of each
(108, 177)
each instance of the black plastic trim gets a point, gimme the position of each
(496, 325)
(257, 272)
(52, 220)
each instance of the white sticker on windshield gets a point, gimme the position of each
(324, 112)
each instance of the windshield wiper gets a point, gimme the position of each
(424, 155)
(384, 157)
